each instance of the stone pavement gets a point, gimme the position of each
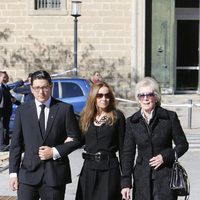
(190, 161)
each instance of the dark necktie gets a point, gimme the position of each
(42, 120)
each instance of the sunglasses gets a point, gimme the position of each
(101, 95)
(141, 96)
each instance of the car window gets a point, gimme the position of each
(70, 90)
(55, 90)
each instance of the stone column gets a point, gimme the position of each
(138, 39)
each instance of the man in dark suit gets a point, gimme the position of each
(2, 146)
(40, 129)
(5, 109)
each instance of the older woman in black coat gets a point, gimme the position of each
(150, 134)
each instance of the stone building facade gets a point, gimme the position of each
(123, 39)
(31, 39)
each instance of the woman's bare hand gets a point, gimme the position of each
(156, 161)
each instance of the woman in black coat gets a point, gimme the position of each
(149, 134)
(103, 129)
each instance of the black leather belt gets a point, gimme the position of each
(98, 156)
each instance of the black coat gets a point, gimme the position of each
(27, 137)
(151, 140)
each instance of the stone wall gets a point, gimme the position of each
(30, 40)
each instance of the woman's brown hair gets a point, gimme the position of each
(90, 110)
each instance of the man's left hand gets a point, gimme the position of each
(45, 153)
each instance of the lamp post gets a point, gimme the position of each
(75, 12)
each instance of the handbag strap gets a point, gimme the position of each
(187, 197)
(176, 160)
(176, 156)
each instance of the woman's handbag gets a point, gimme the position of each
(179, 181)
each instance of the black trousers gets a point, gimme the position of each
(1, 133)
(6, 121)
(43, 191)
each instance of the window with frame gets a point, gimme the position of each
(47, 7)
(47, 4)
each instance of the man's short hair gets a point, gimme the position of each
(41, 74)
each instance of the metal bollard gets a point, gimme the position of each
(190, 114)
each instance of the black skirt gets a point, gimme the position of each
(99, 184)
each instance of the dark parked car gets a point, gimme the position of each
(69, 90)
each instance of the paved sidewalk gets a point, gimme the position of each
(190, 161)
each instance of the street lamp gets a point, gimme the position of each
(75, 12)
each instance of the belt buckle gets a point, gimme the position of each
(98, 157)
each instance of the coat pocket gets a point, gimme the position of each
(31, 164)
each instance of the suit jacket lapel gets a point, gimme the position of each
(52, 113)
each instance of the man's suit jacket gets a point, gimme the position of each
(1, 94)
(7, 105)
(28, 138)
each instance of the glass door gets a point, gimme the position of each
(187, 55)
(187, 73)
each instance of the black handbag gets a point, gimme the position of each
(179, 181)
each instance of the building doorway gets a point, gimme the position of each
(187, 72)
